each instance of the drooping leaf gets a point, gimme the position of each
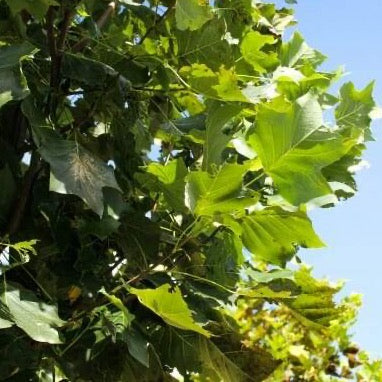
(191, 14)
(217, 138)
(74, 170)
(293, 147)
(273, 235)
(168, 303)
(39, 320)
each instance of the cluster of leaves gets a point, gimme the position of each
(152, 153)
(308, 352)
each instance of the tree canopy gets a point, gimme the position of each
(158, 163)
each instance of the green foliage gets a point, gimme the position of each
(157, 158)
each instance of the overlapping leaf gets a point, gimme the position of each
(12, 81)
(294, 147)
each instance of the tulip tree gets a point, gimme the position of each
(158, 163)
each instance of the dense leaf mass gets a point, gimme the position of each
(158, 161)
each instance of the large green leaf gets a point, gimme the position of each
(168, 303)
(273, 235)
(37, 8)
(191, 14)
(208, 194)
(294, 147)
(75, 170)
(12, 81)
(217, 138)
(37, 319)
(206, 45)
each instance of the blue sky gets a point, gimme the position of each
(349, 33)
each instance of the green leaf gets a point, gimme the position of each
(139, 237)
(75, 170)
(117, 302)
(88, 71)
(355, 107)
(101, 228)
(214, 51)
(191, 14)
(13, 85)
(168, 303)
(314, 305)
(223, 259)
(222, 85)
(37, 319)
(266, 277)
(138, 346)
(273, 235)
(36, 8)
(250, 48)
(208, 194)
(5, 317)
(217, 138)
(170, 179)
(295, 52)
(294, 147)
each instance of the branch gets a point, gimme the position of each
(68, 14)
(52, 46)
(21, 203)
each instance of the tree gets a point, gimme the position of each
(158, 161)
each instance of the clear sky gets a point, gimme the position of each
(349, 32)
